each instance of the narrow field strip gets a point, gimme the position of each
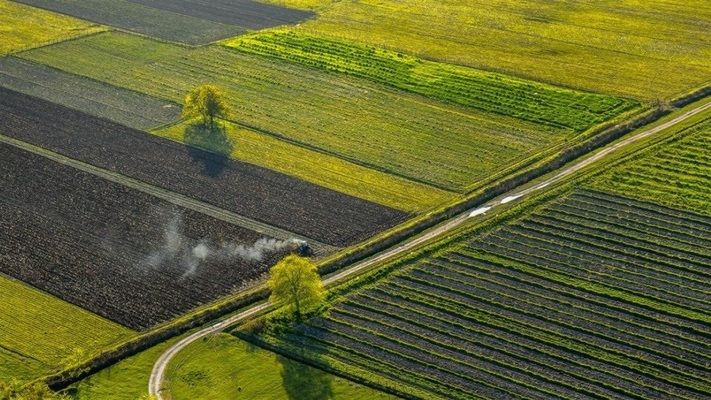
(135, 17)
(171, 197)
(318, 168)
(27, 27)
(257, 194)
(658, 175)
(592, 295)
(360, 121)
(487, 91)
(92, 97)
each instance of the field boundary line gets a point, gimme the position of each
(165, 194)
(157, 377)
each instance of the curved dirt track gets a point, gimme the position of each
(158, 373)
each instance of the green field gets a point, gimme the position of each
(23, 27)
(357, 120)
(486, 91)
(319, 168)
(677, 174)
(227, 364)
(125, 380)
(41, 332)
(224, 367)
(648, 50)
(581, 292)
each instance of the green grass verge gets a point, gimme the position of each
(664, 313)
(630, 48)
(40, 332)
(316, 167)
(222, 367)
(360, 121)
(24, 27)
(486, 91)
(125, 380)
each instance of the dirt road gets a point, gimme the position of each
(167, 195)
(155, 385)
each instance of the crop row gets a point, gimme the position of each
(625, 221)
(490, 92)
(548, 298)
(584, 277)
(649, 268)
(673, 371)
(360, 332)
(618, 310)
(553, 342)
(423, 316)
(676, 174)
(596, 239)
(625, 230)
(626, 265)
(697, 224)
(351, 118)
(532, 251)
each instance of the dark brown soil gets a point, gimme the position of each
(276, 199)
(90, 241)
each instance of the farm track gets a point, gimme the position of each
(617, 369)
(256, 193)
(102, 246)
(171, 197)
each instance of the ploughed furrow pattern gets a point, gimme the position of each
(258, 193)
(117, 252)
(591, 296)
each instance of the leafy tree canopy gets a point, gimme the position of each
(295, 283)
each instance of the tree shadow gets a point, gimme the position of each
(302, 382)
(210, 146)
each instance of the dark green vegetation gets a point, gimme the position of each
(191, 22)
(588, 295)
(486, 91)
(92, 97)
(592, 296)
(355, 119)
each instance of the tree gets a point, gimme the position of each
(295, 283)
(206, 102)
